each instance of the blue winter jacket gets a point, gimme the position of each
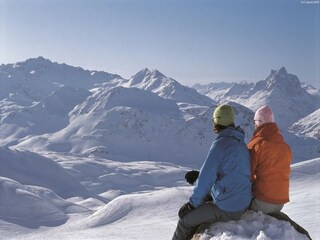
(226, 173)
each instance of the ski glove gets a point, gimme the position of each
(191, 176)
(186, 208)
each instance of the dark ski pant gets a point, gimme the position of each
(207, 212)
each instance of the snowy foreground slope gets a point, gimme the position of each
(140, 200)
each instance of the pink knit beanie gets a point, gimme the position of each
(263, 115)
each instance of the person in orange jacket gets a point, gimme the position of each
(270, 164)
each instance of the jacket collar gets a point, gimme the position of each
(268, 131)
(235, 132)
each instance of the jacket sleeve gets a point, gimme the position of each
(207, 176)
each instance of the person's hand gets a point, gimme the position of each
(191, 176)
(186, 208)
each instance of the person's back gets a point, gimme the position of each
(225, 174)
(227, 166)
(270, 164)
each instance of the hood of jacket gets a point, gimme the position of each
(235, 132)
(269, 131)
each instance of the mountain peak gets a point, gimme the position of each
(139, 76)
(276, 73)
(145, 74)
(282, 78)
(157, 74)
(38, 61)
(144, 71)
(283, 70)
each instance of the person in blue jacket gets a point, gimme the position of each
(225, 174)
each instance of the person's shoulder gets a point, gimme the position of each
(221, 140)
(256, 142)
(218, 144)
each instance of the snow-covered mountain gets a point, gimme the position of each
(46, 116)
(165, 87)
(308, 126)
(88, 112)
(116, 118)
(280, 90)
(310, 89)
(131, 123)
(40, 70)
(23, 83)
(203, 88)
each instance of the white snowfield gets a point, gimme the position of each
(90, 155)
(140, 200)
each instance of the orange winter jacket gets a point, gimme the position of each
(270, 164)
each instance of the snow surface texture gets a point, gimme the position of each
(252, 225)
(87, 154)
(33, 169)
(143, 212)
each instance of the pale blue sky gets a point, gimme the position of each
(188, 40)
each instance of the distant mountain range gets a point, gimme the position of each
(47, 106)
(283, 92)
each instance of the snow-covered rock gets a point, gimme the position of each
(252, 225)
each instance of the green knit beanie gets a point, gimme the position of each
(223, 115)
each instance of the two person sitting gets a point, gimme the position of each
(235, 176)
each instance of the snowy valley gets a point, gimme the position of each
(91, 155)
